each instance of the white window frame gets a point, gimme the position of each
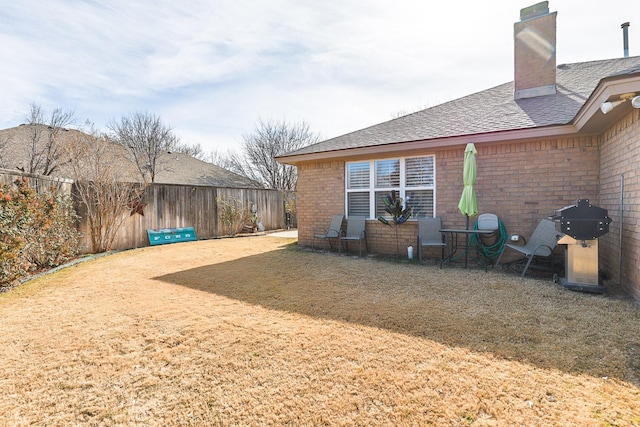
(402, 188)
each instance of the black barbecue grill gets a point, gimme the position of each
(582, 225)
(582, 221)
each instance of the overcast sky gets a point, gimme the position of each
(212, 68)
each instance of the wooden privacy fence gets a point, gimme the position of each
(169, 206)
(42, 184)
(177, 206)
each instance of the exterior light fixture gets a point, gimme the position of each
(610, 105)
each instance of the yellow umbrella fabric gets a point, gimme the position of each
(468, 205)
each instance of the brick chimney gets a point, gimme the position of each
(535, 52)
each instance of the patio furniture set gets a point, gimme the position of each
(455, 243)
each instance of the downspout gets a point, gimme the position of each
(621, 225)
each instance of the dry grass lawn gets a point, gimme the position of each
(255, 331)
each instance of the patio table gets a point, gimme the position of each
(454, 234)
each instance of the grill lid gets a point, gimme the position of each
(582, 221)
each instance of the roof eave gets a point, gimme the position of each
(438, 143)
(607, 88)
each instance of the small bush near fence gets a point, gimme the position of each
(234, 214)
(37, 231)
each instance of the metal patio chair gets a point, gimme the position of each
(541, 244)
(333, 232)
(488, 221)
(355, 232)
(429, 235)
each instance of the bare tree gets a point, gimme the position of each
(407, 111)
(146, 138)
(102, 186)
(193, 150)
(223, 159)
(259, 150)
(45, 148)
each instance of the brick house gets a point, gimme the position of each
(542, 141)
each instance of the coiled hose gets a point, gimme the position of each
(492, 250)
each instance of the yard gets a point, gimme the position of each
(256, 331)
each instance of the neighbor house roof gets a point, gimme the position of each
(492, 110)
(179, 168)
(173, 168)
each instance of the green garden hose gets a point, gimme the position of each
(491, 251)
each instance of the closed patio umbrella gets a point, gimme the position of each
(468, 205)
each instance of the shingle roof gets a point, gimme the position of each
(173, 168)
(491, 110)
(179, 168)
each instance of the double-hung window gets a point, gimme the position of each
(368, 182)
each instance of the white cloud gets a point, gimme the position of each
(211, 69)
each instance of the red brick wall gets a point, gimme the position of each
(525, 182)
(320, 194)
(534, 52)
(620, 156)
(521, 182)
